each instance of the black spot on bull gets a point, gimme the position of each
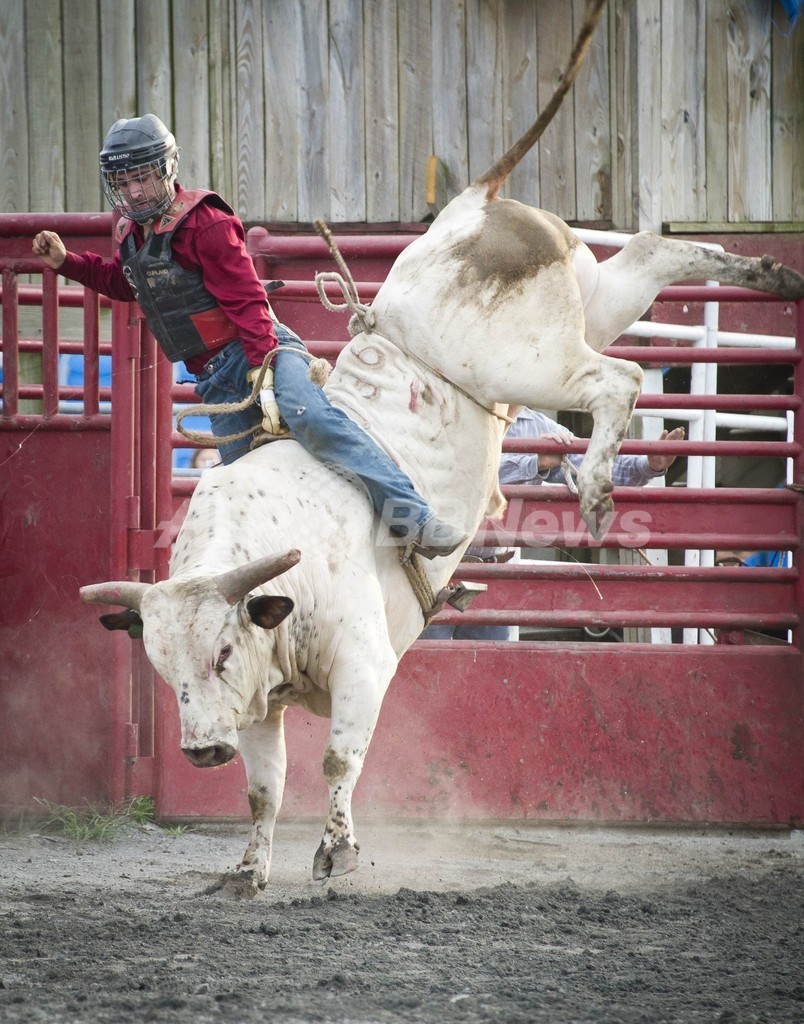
(334, 766)
(258, 802)
(513, 244)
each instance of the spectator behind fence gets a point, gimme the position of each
(548, 467)
(205, 458)
(182, 256)
(755, 559)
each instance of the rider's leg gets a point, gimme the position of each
(223, 381)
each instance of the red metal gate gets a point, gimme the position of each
(542, 729)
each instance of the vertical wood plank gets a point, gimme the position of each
(521, 95)
(222, 145)
(83, 132)
(415, 107)
(749, 110)
(717, 112)
(46, 104)
(683, 111)
(118, 62)
(191, 92)
(313, 120)
(557, 146)
(250, 111)
(484, 89)
(450, 130)
(382, 112)
(282, 110)
(592, 125)
(346, 109)
(787, 49)
(154, 67)
(648, 182)
(622, 41)
(14, 120)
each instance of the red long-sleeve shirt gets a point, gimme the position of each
(211, 242)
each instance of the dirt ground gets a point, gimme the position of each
(443, 922)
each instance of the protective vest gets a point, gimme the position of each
(183, 316)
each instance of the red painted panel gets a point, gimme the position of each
(554, 732)
(55, 695)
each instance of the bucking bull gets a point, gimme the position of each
(282, 590)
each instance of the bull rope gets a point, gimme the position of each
(420, 584)
(203, 409)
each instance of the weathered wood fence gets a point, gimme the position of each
(686, 111)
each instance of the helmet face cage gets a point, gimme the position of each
(143, 192)
(138, 165)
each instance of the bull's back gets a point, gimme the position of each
(274, 498)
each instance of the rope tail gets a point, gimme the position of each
(363, 319)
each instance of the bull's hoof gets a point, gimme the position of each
(598, 518)
(780, 279)
(241, 885)
(792, 284)
(330, 862)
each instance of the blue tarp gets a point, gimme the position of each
(792, 9)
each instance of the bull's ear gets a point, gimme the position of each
(268, 611)
(128, 620)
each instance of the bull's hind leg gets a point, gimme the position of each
(624, 286)
(608, 389)
(357, 686)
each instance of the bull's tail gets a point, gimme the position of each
(498, 172)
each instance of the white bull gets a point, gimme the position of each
(283, 589)
(500, 299)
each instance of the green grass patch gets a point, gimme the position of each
(89, 823)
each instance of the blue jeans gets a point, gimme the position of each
(223, 381)
(324, 431)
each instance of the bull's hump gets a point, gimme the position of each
(513, 243)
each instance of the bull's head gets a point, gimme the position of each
(205, 637)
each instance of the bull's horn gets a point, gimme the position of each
(235, 584)
(122, 592)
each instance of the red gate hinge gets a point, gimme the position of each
(141, 549)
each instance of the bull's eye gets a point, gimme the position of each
(224, 653)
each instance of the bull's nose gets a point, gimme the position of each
(209, 757)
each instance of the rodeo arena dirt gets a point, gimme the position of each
(443, 922)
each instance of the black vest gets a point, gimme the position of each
(171, 297)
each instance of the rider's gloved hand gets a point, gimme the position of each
(272, 422)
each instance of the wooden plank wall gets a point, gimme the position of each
(688, 111)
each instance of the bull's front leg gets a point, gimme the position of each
(357, 691)
(262, 747)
